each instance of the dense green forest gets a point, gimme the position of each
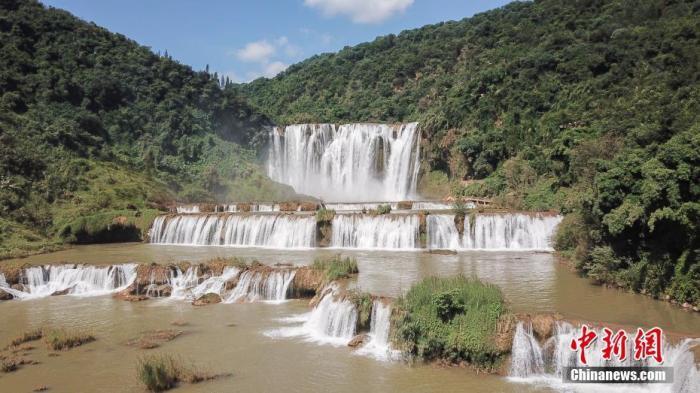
(98, 132)
(588, 106)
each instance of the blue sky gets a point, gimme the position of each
(247, 39)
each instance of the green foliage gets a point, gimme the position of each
(157, 373)
(449, 318)
(384, 209)
(363, 304)
(325, 215)
(64, 339)
(336, 267)
(93, 121)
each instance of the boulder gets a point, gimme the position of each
(5, 295)
(543, 325)
(404, 205)
(19, 287)
(307, 281)
(61, 292)
(358, 340)
(209, 298)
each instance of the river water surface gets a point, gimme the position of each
(230, 338)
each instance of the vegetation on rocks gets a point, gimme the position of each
(450, 319)
(336, 267)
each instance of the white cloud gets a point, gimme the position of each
(269, 70)
(258, 51)
(360, 11)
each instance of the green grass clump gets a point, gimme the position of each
(63, 339)
(384, 209)
(162, 372)
(30, 335)
(325, 215)
(336, 267)
(451, 319)
(158, 373)
(363, 304)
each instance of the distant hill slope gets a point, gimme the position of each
(588, 106)
(92, 122)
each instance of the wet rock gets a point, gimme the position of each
(41, 388)
(459, 223)
(164, 290)
(19, 287)
(442, 252)
(62, 292)
(209, 298)
(129, 295)
(5, 295)
(543, 325)
(306, 282)
(358, 340)
(404, 205)
(148, 276)
(230, 284)
(12, 272)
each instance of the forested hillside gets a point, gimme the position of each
(591, 107)
(97, 132)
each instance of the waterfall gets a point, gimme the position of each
(3, 282)
(378, 346)
(535, 363)
(187, 286)
(352, 162)
(526, 354)
(387, 231)
(274, 231)
(188, 209)
(77, 280)
(493, 232)
(253, 285)
(332, 321)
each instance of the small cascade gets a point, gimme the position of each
(357, 207)
(187, 209)
(387, 231)
(3, 282)
(493, 232)
(442, 232)
(532, 362)
(181, 283)
(526, 354)
(332, 321)
(77, 280)
(378, 345)
(351, 162)
(273, 231)
(190, 285)
(269, 286)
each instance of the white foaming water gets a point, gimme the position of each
(3, 283)
(254, 207)
(352, 162)
(526, 354)
(77, 280)
(378, 346)
(273, 231)
(387, 231)
(333, 321)
(268, 286)
(493, 232)
(428, 205)
(532, 363)
(187, 286)
(357, 207)
(188, 209)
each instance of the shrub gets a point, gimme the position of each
(31, 335)
(336, 267)
(384, 209)
(363, 304)
(452, 319)
(325, 215)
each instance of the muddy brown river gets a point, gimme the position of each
(231, 338)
